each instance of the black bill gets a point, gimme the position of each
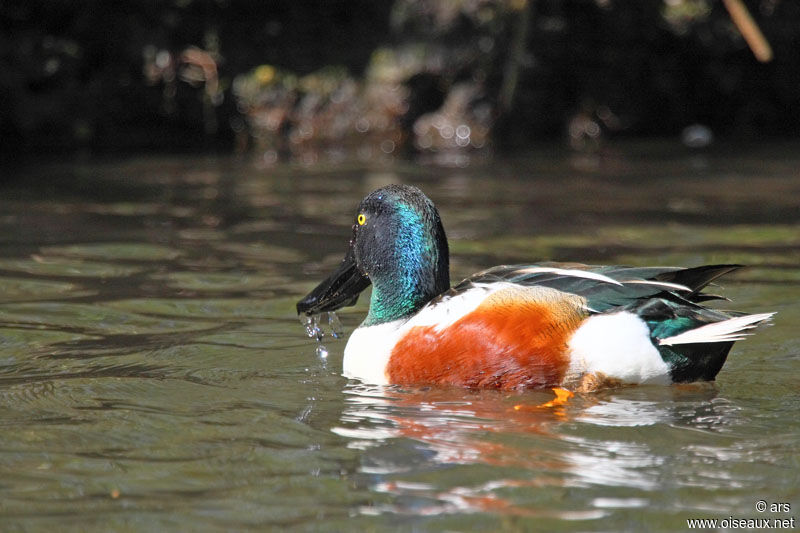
(340, 289)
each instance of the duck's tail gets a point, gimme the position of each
(699, 353)
(730, 330)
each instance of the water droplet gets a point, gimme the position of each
(318, 333)
(335, 324)
(305, 320)
(315, 328)
(311, 323)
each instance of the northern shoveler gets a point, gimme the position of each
(561, 325)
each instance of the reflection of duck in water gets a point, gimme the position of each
(407, 431)
(525, 326)
(407, 434)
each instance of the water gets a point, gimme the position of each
(153, 373)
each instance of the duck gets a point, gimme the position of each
(566, 326)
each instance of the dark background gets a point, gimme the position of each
(73, 75)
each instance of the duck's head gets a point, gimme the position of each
(399, 246)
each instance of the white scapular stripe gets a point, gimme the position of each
(569, 272)
(726, 331)
(655, 283)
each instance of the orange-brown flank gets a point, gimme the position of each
(515, 338)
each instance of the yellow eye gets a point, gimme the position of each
(361, 219)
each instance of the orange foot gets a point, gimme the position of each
(562, 397)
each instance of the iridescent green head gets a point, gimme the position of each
(399, 245)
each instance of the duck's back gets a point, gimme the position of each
(548, 325)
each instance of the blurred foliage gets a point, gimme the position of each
(377, 78)
(116, 75)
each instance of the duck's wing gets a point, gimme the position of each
(607, 287)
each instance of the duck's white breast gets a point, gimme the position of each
(367, 352)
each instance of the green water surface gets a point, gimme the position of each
(153, 374)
